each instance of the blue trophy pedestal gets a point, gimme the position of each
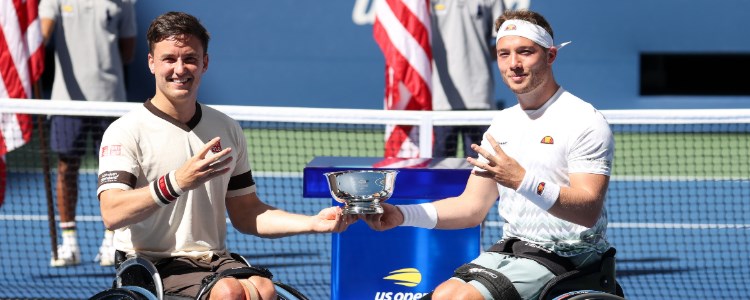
(403, 263)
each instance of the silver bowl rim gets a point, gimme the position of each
(387, 171)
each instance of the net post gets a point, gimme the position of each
(425, 135)
(47, 181)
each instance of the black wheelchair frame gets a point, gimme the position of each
(138, 279)
(596, 279)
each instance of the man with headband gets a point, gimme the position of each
(548, 159)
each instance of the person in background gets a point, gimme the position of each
(169, 204)
(548, 159)
(463, 57)
(92, 42)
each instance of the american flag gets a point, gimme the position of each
(21, 64)
(402, 30)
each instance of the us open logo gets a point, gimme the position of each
(409, 277)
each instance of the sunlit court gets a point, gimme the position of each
(369, 88)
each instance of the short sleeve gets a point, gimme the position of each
(118, 160)
(49, 9)
(593, 151)
(242, 181)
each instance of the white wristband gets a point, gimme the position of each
(173, 180)
(541, 192)
(419, 215)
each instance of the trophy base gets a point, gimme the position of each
(368, 208)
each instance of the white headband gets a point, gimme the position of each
(528, 30)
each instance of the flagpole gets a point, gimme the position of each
(46, 171)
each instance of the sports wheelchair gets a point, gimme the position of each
(138, 279)
(595, 282)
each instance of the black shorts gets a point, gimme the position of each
(68, 134)
(183, 275)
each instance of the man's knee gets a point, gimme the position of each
(456, 289)
(497, 284)
(227, 288)
(262, 286)
(255, 287)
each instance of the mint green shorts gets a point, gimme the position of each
(527, 276)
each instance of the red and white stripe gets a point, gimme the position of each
(402, 30)
(21, 64)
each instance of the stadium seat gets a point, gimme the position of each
(138, 279)
(593, 280)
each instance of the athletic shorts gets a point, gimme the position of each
(183, 275)
(527, 276)
(68, 134)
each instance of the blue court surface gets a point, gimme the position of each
(682, 243)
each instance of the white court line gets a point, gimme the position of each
(655, 225)
(486, 224)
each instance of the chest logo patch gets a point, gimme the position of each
(548, 140)
(216, 147)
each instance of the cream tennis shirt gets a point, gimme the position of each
(145, 144)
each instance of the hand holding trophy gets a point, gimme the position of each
(361, 191)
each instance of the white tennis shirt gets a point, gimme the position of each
(146, 144)
(566, 135)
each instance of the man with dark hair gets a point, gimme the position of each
(168, 204)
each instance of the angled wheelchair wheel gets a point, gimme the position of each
(124, 293)
(287, 292)
(588, 295)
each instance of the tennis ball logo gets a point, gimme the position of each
(407, 277)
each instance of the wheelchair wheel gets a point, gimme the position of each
(124, 293)
(287, 292)
(588, 295)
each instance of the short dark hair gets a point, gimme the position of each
(176, 24)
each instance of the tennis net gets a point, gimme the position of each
(677, 200)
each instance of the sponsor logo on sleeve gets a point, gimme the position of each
(110, 150)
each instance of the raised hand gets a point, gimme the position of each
(501, 167)
(199, 168)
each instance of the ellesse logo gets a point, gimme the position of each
(548, 140)
(540, 188)
(407, 277)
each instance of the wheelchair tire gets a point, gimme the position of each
(122, 294)
(588, 295)
(287, 292)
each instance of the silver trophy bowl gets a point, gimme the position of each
(361, 191)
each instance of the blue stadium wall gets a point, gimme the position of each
(320, 53)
